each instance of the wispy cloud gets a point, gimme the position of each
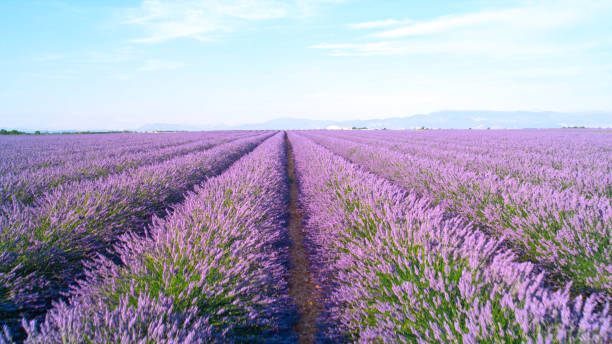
(449, 47)
(154, 65)
(67, 74)
(533, 17)
(49, 57)
(361, 49)
(523, 30)
(205, 19)
(94, 57)
(379, 23)
(166, 20)
(119, 55)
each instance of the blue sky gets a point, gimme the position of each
(121, 64)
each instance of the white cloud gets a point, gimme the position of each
(153, 65)
(64, 74)
(254, 10)
(532, 17)
(49, 57)
(458, 46)
(168, 20)
(119, 55)
(204, 19)
(362, 49)
(532, 29)
(379, 23)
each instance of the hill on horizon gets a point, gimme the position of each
(435, 120)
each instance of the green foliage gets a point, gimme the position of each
(12, 132)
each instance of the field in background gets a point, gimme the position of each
(448, 236)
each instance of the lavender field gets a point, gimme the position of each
(368, 236)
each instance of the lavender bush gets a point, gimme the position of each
(43, 247)
(25, 185)
(32, 152)
(396, 269)
(563, 229)
(212, 271)
(562, 159)
(413, 237)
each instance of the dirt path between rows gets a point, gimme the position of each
(302, 288)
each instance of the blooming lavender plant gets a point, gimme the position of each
(414, 237)
(43, 247)
(566, 231)
(557, 158)
(212, 271)
(25, 185)
(20, 153)
(398, 269)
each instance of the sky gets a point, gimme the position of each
(120, 64)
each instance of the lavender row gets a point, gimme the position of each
(396, 269)
(32, 152)
(212, 271)
(43, 248)
(568, 233)
(547, 156)
(579, 161)
(24, 186)
(37, 158)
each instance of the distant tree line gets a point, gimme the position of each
(38, 132)
(94, 132)
(11, 132)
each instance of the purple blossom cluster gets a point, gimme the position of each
(30, 152)
(412, 236)
(24, 184)
(397, 268)
(563, 159)
(546, 192)
(214, 270)
(44, 246)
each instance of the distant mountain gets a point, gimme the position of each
(435, 120)
(287, 124)
(169, 127)
(450, 120)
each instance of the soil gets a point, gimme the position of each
(302, 287)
